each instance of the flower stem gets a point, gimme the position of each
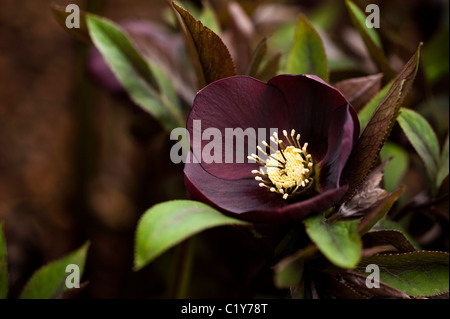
(183, 269)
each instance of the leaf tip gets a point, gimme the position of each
(138, 264)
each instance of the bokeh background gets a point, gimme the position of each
(79, 162)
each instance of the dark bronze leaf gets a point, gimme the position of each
(365, 152)
(211, 58)
(388, 237)
(359, 91)
(61, 15)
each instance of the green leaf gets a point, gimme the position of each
(443, 165)
(49, 281)
(61, 15)
(307, 54)
(367, 111)
(132, 71)
(289, 271)
(421, 273)
(422, 138)
(396, 167)
(167, 224)
(208, 17)
(338, 241)
(326, 15)
(210, 56)
(3, 266)
(289, 274)
(281, 40)
(365, 152)
(359, 20)
(166, 86)
(435, 56)
(370, 38)
(257, 57)
(270, 68)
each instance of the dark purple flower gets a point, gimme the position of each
(316, 130)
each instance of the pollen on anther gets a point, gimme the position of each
(260, 148)
(288, 170)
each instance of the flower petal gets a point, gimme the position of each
(238, 102)
(343, 132)
(311, 104)
(286, 102)
(245, 198)
(319, 112)
(325, 120)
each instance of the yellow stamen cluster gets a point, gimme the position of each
(286, 171)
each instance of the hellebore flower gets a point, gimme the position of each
(316, 129)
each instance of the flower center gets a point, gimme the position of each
(286, 171)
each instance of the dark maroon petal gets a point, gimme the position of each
(245, 198)
(311, 104)
(236, 102)
(324, 119)
(343, 131)
(305, 103)
(301, 102)
(299, 210)
(237, 196)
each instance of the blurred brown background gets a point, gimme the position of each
(72, 156)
